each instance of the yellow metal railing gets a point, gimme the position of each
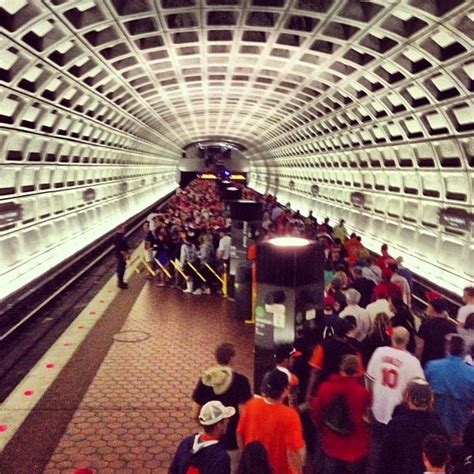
(223, 279)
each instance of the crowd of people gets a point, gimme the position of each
(376, 391)
(404, 419)
(189, 238)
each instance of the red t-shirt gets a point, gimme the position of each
(387, 288)
(353, 247)
(354, 446)
(276, 426)
(384, 261)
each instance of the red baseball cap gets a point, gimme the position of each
(329, 301)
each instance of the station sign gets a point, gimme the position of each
(456, 218)
(9, 213)
(358, 199)
(88, 195)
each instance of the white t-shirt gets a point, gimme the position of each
(223, 251)
(151, 220)
(464, 312)
(402, 283)
(390, 371)
(362, 318)
(378, 306)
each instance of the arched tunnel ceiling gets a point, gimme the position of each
(263, 72)
(330, 98)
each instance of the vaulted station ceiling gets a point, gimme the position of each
(330, 97)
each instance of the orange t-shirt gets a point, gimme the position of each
(276, 426)
(252, 252)
(317, 358)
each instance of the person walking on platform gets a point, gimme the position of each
(436, 454)
(402, 445)
(206, 257)
(122, 254)
(388, 374)
(203, 452)
(285, 355)
(468, 308)
(327, 356)
(175, 253)
(363, 285)
(278, 427)
(433, 330)
(223, 250)
(254, 460)
(148, 244)
(389, 371)
(162, 251)
(188, 254)
(340, 231)
(353, 309)
(340, 410)
(453, 385)
(222, 383)
(402, 316)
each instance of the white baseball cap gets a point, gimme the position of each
(213, 412)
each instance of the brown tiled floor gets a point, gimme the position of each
(137, 408)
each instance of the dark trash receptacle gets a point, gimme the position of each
(243, 292)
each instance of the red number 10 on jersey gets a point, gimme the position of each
(389, 377)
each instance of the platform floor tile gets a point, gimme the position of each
(137, 408)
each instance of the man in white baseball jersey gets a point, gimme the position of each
(389, 371)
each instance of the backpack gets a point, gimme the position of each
(329, 323)
(338, 418)
(328, 331)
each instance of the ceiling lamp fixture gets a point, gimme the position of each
(289, 242)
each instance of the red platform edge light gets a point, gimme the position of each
(50, 366)
(102, 301)
(28, 393)
(92, 313)
(3, 428)
(66, 344)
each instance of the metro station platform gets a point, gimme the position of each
(113, 394)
